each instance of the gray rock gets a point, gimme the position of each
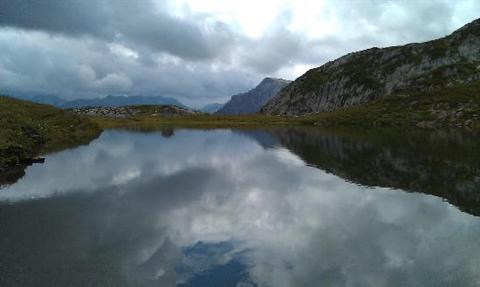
(374, 74)
(251, 101)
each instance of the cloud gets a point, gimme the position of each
(296, 225)
(85, 67)
(120, 21)
(74, 18)
(113, 81)
(198, 52)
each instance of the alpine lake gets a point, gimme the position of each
(278, 206)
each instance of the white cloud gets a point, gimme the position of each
(199, 51)
(122, 51)
(116, 83)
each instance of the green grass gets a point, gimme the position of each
(405, 110)
(437, 49)
(313, 79)
(200, 121)
(410, 109)
(27, 129)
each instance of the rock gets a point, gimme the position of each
(123, 112)
(441, 115)
(34, 160)
(251, 101)
(375, 74)
(413, 103)
(426, 124)
(211, 108)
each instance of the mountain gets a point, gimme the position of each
(40, 98)
(211, 108)
(251, 101)
(376, 74)
(117, 101)
(150, 111)
(443, 163)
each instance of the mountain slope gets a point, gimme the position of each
(40, 98)
(211, 108)
(117, 101)
(251, 101)
(443, 163)
(135, 110)
(376, 74)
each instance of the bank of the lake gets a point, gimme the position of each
(28, 129)
(456, 107)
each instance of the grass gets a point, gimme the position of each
(406, 110)
(193, 121)
(27, 129)
(410, 109)
(442, 162)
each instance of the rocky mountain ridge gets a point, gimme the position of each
(108, 101)
(374, 74)
(119, 101)
(251, 101)
(442, 162)
(129, 111)
(211, 108)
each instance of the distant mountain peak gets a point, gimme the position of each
(251, 101)
(211, 108)
(121, 100)
(271, 79)
(107, 101)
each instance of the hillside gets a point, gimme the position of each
(132, 111)
(251, 101)
(211, 108)
(108, 101)
(27, 129)
(376, 74)
(443, 163)
(118, 101)
(39, 98)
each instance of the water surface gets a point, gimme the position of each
(281, 207)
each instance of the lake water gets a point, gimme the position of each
(277, 207)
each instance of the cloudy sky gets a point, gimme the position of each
(198, 51)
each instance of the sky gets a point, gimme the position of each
(198, 51)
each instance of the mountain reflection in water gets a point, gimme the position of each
(280, 207)
(441, 163)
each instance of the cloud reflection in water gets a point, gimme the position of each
(139, 209)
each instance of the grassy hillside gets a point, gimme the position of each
(362, 77)
(27, 129)
(451, 107)
(444, 163)
(455, 107)
(193, 121)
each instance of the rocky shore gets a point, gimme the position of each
(28, 130)
(130, 111)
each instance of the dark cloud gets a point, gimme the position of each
(276, 49)
(92, 48)
(135, 22)
(67, 17)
